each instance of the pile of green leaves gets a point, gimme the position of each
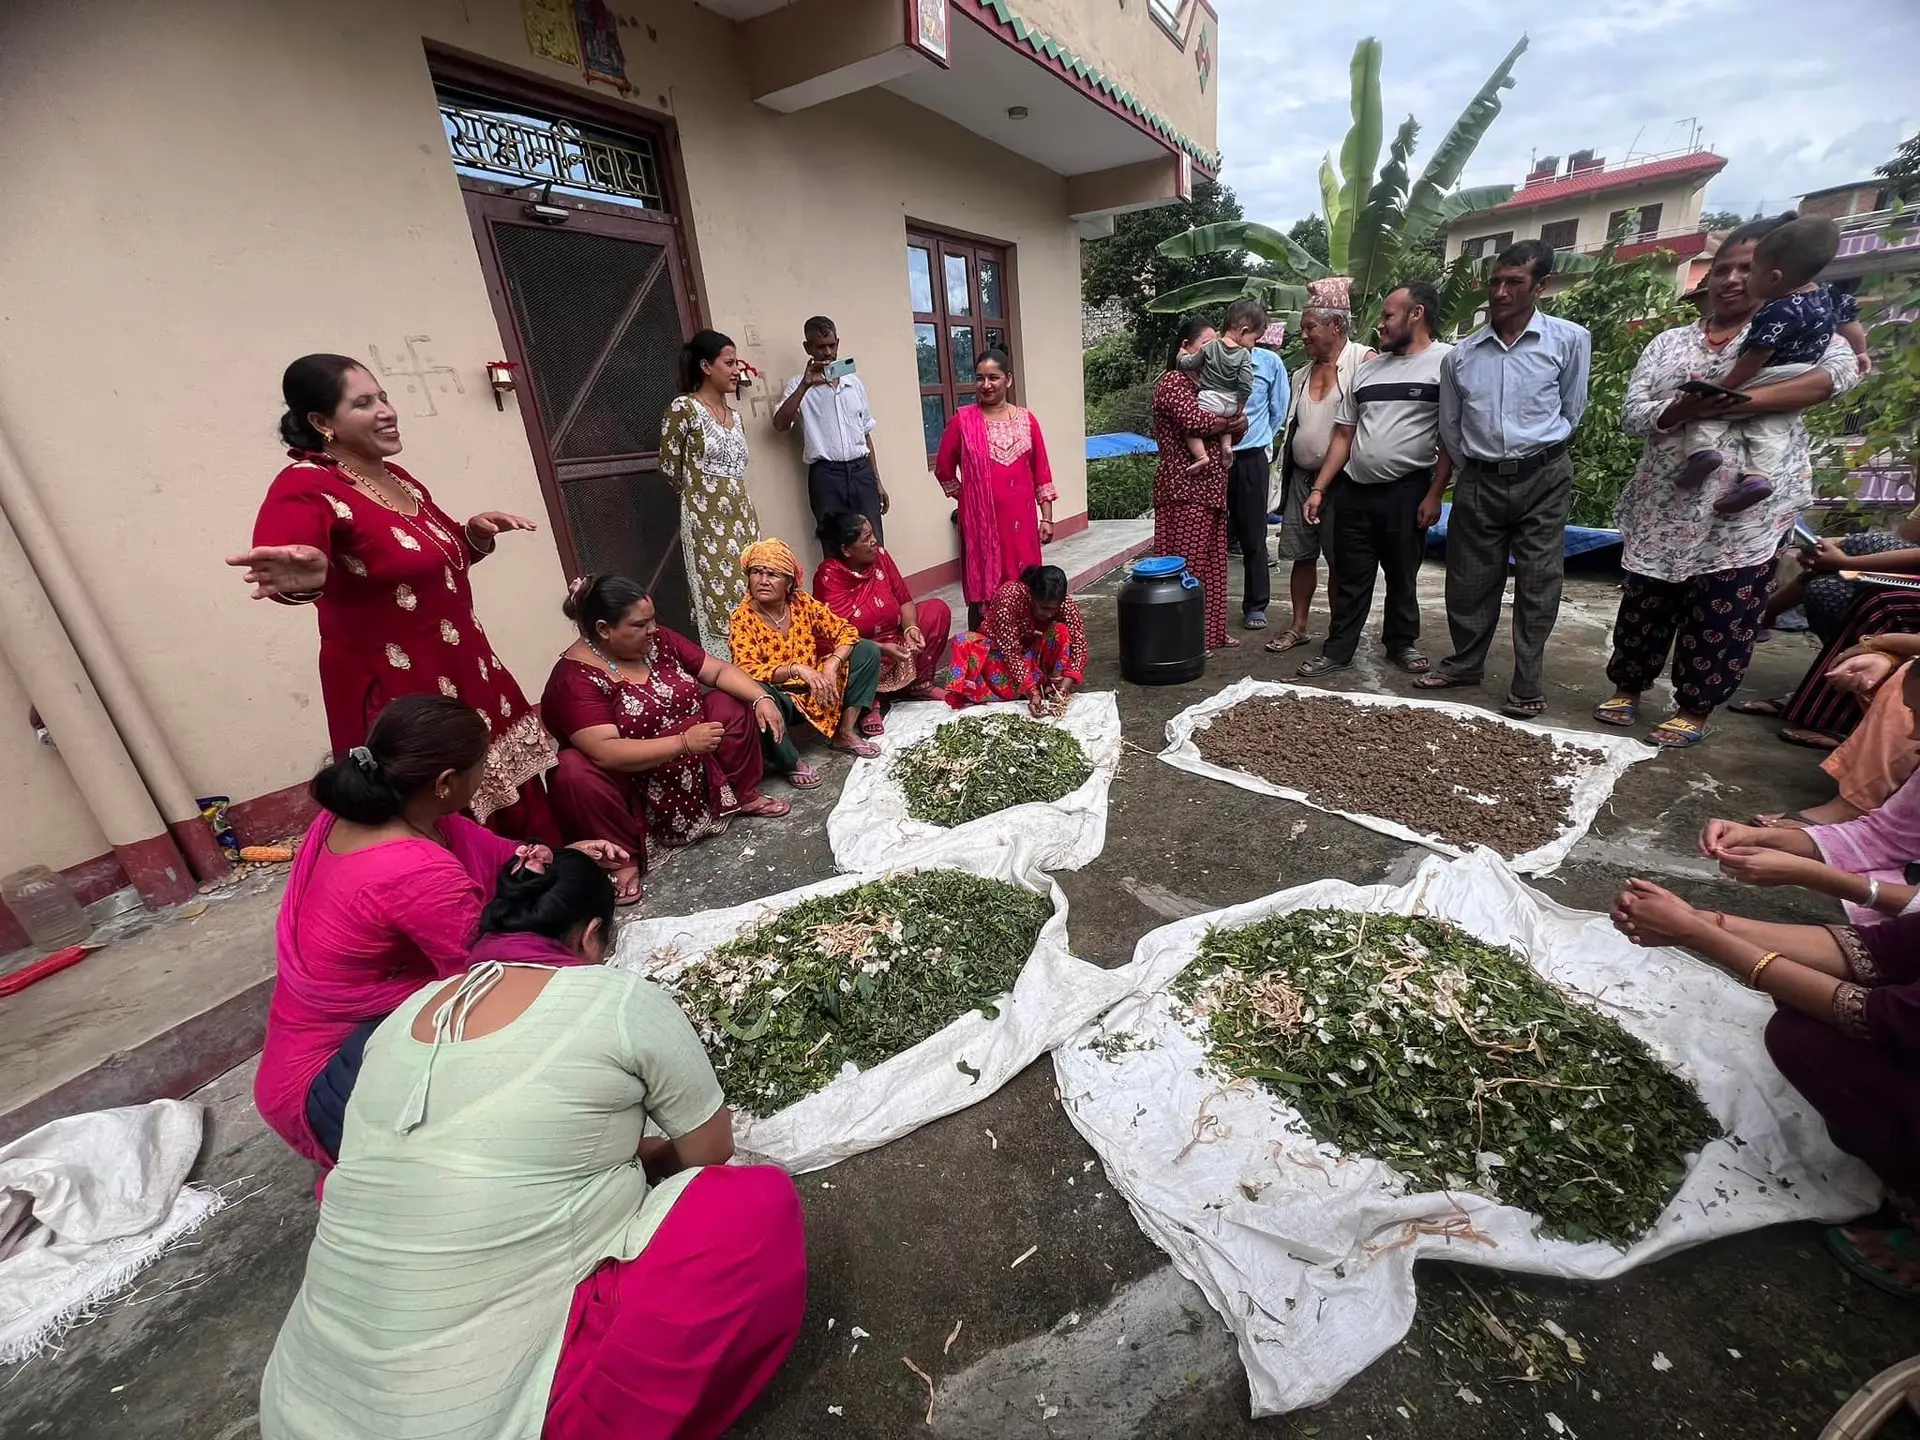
(1453, 1062)
(858, 976)
(988, 763)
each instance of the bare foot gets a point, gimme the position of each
(1835, 812)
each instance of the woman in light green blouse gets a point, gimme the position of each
(500, 1253)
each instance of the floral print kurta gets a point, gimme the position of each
(813, 633)
(397, 618)
(707, 463)
(1672, 532)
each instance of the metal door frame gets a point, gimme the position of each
(488, 208)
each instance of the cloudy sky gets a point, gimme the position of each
(1796, 96)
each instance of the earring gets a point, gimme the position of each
(326, 434)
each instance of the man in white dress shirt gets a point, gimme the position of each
(835, 424)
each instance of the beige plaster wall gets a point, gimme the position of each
(220, 187)
(36, 789)
(1129, 46)
(1680, 203)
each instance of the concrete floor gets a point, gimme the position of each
(1095, 1336)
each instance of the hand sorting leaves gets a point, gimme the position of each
(1451, 1061)
(979, 766)
(858, 976)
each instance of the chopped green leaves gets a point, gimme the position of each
(855, 977)
(988, 763)
(1453, 1062)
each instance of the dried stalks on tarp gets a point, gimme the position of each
(988, 763)
(855, 977)
(1453, 1062)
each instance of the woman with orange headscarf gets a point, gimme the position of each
(812, 662)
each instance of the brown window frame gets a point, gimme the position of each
(1481, 247)
(1646, 221)
(952, 387)
(1570, 227)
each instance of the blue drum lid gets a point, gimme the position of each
(1159, 567)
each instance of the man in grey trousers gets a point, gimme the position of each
(1511, 394)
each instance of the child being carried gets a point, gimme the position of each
(1225, 371)
(1786, 338)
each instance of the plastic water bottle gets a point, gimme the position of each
(43, 903)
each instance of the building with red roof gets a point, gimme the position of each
(1577, 207)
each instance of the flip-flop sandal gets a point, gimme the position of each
(1791, 820)
(1676, 732)
(1411, 661)
(1321, 665)
(1524, 709)
(625, 898)
(1617, 711)
(1811, 739)
(1285, 641)
(1771, 709)
(1438, 681)
(865, 749)
(1254, 622)
(804, 777)
(766, 807)
(872, 724)
(1227, 644)
(1874, 1261)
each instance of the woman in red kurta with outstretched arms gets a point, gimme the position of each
(386, 570)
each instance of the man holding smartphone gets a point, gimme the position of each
(830, 403)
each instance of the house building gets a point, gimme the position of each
(1876, 237)
(201, 193)
(1579, 207)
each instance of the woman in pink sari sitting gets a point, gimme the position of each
(859, 582)
(994, 461)
(384, 896)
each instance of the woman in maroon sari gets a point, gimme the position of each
(859, 582)
(386, 570)
(659, 741)
(1846, 1035)
(1190, 506)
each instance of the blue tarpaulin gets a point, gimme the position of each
(1580, 538)
(1109, 447)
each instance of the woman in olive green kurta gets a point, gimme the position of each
(703, 455)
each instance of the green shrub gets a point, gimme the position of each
(1111, 365)
(1121, 488)
(1129, 410)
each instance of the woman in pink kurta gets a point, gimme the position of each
(384, 896)
(994, 461)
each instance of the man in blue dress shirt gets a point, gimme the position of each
(1511, 394)
(1248, 481)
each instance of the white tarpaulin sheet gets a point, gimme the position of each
(86, 1203)
(1054, 996)
(1592, 783)
(1309, 1256)
(870, 829)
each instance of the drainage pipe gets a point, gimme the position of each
(40, 653)
(73, 608)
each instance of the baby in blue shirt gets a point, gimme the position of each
(1787, 336)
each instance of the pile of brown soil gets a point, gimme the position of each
(1468, 782)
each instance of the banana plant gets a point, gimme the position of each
(1374, 224)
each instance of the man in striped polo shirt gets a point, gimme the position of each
(1381, 483)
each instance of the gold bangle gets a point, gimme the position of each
(1753, 975)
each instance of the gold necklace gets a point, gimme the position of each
(456, 559)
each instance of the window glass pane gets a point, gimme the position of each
(933, 420)
(990, 299)
(1649, 219)
(970, 398)
(962, 352)
(926, 350)
(959, 293)
(996, 340)
(920, 279)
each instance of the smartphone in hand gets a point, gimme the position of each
(1711, 391)
(839, 369)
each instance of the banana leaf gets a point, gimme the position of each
(1330, 208)
(1359, 153)
(1222, 290)
(1269, 244)
(1463, 289)
(1375, 246)
(1282, 299)
(1569, 262)
(1470, 202)
(1450, 158)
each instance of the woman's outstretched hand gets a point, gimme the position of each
(489, 523)
(282, 569)
(604, 853)
(1649, 915)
